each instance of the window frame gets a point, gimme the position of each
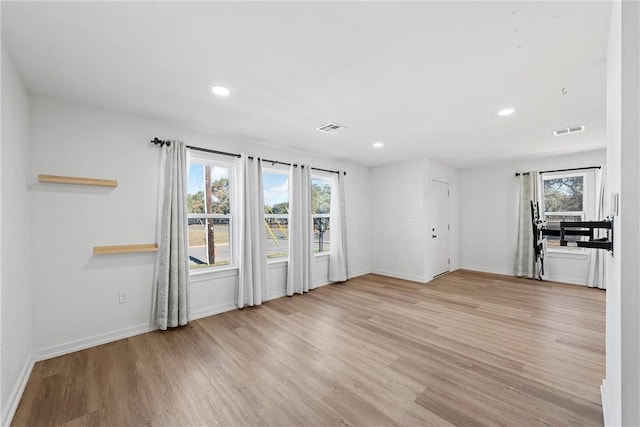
(587, 206)
(326, 177)
(284, 171)
(214, 160)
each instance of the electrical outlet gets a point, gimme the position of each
(123, 297)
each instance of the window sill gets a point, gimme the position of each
(205, 274)
(559, 253)
(275, 262)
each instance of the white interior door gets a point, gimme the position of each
(439, 227)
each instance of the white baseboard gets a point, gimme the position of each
(283, 292)
(81, 344)
(488, 270)
(608, 411)
(321, 284)
(70, 347)
(355, 274)
(566, 279)
(212, 311)
(604, 401)
(277, 294)
(16, 394)
(551, 278)
(400, 276)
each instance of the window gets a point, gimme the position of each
(563, 200)
(320, 208)
(209, 213)
(276, 211)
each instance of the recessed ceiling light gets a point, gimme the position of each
(378, 144)
(220, 91)
(506, 111)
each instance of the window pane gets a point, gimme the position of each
(564, 194)
(321, 234)
(209, 242)
(277, 236)
(320, 196)
(195, 189)
(276, 209)
(208, 189)
(208, 194)
(218, 179)
(276, 193)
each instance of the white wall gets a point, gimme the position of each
(400, 218)
(75, 294)
(611, 386)
(15, 260)
(630, 219)
(398, 221)
(489, 217)
(621, 388)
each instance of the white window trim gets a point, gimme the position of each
(564, 254)
(573, 251)
(204, 274)
(321, 176)
(214, 160)
(326, 177)
(284, 171)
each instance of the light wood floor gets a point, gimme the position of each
(466, 349)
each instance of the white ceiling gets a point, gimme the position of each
(427, 78)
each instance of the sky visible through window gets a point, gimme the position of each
(276, 188)
(276, 185)
(196, 176)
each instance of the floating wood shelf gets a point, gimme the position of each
(122, 249)
(76, 180)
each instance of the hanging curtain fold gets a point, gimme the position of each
(525, 250)
(299, 274)
(252, 252)
(596, 278)
(171, 302)
(338, 270)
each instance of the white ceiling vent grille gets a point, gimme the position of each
(569, 130)
(330, 128)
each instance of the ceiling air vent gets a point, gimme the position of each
(567, 131)
(330, 128)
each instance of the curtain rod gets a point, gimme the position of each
(160, 142)
(562, 170)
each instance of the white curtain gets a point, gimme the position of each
(171, 302)
(525, 252)
(338, 271)
(596, 278)
(299, 275)
(252, 252)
